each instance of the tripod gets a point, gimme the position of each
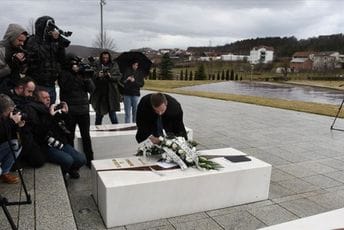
(340, 108)
(4, 202)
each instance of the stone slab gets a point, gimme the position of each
(328, 220)
(127, 197)
(111, 144)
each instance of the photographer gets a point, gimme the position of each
(47, 126)
(75, 84)
(9, 122)
(47, 47)
(12, 57)
(106, 96)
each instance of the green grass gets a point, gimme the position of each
(309, 107)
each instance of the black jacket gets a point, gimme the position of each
(45, 54)
(74, 89)
(146, 119)
(7, 129)
(132, 88)
(42, 124)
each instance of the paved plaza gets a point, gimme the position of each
(307, 159)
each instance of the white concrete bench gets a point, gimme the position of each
(128, 196)
(118, 141)
(327, 220)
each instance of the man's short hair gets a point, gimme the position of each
(5, 103)
(23, 81)
(157, 99)
(37, 91)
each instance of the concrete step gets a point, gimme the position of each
(50, 208)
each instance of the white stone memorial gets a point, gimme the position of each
(132, 196)
(114, 140)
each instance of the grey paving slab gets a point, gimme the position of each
(148, 225)
(278, 191)
(202, 224)
(322, 181)
(330, 200)
(278, 175)
(298, 185)
(296, 170)
(188, 218)
(239, 220)
(272, 214)
(303, 207)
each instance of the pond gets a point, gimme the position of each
(274, 90)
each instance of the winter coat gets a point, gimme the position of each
(46, 54)
(106, 96)
(132, 88)
(43, 124)
(74, 89)
(9, 69)
(146, 119)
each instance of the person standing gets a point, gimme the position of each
(157, 114)
(47, 49)
(132, 81)
(106, 97)
(75, 84)
(12, 56)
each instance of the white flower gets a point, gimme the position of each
(189, 159)
(174, 146)
(168, 143)
(161, 138)
(193, 149)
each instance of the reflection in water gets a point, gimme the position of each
(275, 90)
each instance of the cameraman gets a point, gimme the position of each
(75, 83)
(47, 126)
(47, 47)
(12, 57)
(106, 96)
(9, 122)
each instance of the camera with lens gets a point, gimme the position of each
(54, 143)
(58, 107)
(24, 116)
(64, 42)
(62, 126)
(106, 71)
(86, 70)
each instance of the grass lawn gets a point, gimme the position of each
(309, 107)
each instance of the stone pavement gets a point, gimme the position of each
(307, 158)
(307, 176)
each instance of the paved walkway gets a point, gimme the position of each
(307, 176)
(307, 158)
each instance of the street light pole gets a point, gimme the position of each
(102, 3)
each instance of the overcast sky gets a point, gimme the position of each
(180, 23)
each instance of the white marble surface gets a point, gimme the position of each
(126, 197)
(111, 144)
(327, 220)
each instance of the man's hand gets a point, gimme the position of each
(20, 56)
(64, 107)
(153, 139)
(52, 110)
(16, 117)
(131, 78)
(101, 73)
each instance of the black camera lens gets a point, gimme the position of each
(58, 106)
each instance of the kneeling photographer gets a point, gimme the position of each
(48, 127)
(75, 83)
(9, 144)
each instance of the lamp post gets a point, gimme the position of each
(102, 3)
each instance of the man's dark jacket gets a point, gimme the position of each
(45, 54)
(146, 119)
(73, 90)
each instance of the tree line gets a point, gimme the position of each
(283, 46)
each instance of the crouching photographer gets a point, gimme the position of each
(49, 131)
(75, 83)
(9, 144)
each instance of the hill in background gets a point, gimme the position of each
(84, 51)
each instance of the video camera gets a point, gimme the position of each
(86, 70)
(50, 26)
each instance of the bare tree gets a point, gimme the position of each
(108, 42)
(30, 28)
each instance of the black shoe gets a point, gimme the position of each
(74, 174)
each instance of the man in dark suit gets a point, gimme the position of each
(158, 113)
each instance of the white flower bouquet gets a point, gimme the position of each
(179, 151)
